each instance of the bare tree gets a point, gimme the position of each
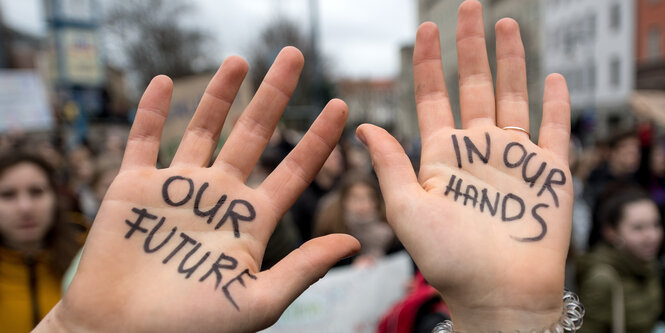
(314, 88)
(152, 38)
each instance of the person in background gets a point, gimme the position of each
(581, 211)
(619, 280)
(304, 209)
(356, 209)
(81, 162)
(36, 243)
(619, 169)
(623, 162)
(655, 183)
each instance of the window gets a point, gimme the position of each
(615, 71)
(615, 16)
(653, 43)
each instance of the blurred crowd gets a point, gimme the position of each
(615, 260)
(49, 197)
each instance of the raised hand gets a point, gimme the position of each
(179, 249)
(488, 218)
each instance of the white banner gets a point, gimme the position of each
(24, 105)
(348, 299)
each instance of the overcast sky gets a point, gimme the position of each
(359, 38)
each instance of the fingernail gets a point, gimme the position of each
(361, 136)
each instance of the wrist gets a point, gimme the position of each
(51, 322)
(56, 320)
(504, 320)
(568, 318)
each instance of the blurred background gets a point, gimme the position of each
(72, 71)
(88, 60)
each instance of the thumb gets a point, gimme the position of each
(301, 268)
(397, 179)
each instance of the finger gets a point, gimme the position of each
(512, 102)
(396, 176)
(476, 92)
(143, 142)
(300, 269)
(255, 126)
(432, 100)
(555, 126)
(202, 134)
(284, 185)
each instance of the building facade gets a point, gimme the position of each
(650, 44)
(373, 101)
(592, 44)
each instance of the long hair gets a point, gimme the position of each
(59, 242)
(611, 207)
(330, 218)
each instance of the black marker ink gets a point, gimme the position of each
(165, 191)
(238, 278)
(185, 239)
(217, 265)
(451, 183)
(467, 196)
(485, 202)
(457, 152)
(504, 206)
(532, 179)
(213, 211)
(235, 216)
(458, 187)
(543, 225)
(136, 225)
(550, 180)
(507, 151)
(472, 149)
(146, 244)
(189, 271)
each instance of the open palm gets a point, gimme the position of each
(179, 249)
(488, 218)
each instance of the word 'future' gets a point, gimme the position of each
(512, 206)
(188, 264)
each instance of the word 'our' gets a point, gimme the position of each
(515, 155)
(232, 210)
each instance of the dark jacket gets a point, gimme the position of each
(607, 272)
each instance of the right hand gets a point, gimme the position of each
(497, 269)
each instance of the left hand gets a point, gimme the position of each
(179, 249)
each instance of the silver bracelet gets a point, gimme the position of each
(570, 321)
